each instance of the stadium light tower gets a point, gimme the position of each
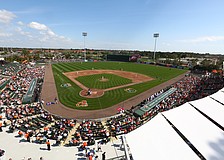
(155, 35)
(84, 34)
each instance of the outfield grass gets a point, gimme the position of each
(70, 96)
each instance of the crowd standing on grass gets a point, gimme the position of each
(35, 125)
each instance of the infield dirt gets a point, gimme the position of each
(134, 77)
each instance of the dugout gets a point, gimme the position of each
(120, 58)
(29, 96)
(153, 103)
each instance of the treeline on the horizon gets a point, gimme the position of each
(176, 58)
(159, 54)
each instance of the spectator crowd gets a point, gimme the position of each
(36, 125)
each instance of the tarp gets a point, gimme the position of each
(201, 132)
(157, 140)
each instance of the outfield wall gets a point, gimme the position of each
(121, 58)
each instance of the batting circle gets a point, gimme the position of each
(95, 93)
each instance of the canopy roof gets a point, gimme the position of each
(201, 132)
(211, 108)
(199, 121)
(158, 140)
(219, 96)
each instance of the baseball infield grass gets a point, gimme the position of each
(95, 81)
(69, 95)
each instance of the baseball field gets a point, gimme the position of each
(108, 83)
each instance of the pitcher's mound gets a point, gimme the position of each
(103, 79)
(95, 93)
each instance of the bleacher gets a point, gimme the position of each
(2, 85)
(94, 129)
(9, 69)
(126, 124)
(149, 106)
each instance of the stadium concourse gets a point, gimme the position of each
(171, 122)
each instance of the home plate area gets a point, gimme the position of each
(92, 93)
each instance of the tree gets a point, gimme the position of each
(206, 62)
(36, 57)
(25, 54)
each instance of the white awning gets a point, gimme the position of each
(212, 108)
(219, 96)
(222, 89)
(157, 140)
(202, 133)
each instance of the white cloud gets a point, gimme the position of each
(20, 31)
(31, 34)
(51, 33)
(20, 23)
(38, 26)
(6, 16)
(62, 37)
(204, 39)
(47, 37)
(5, 34)
(44, 30)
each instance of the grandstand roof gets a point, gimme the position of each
(219, 96)
(157, 140)
(200, 121)
(211, 108)
(200, 131)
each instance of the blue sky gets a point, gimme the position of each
(183, 25)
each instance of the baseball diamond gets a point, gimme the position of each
(143, 79)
